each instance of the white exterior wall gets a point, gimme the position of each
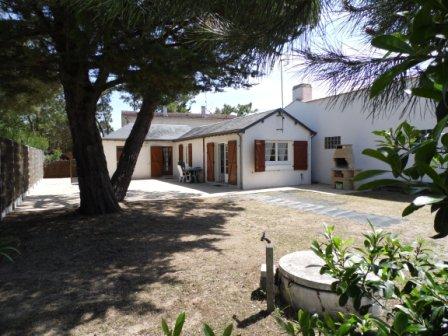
(196, 151)
(353, 125)
(279, 174)
(143, 166)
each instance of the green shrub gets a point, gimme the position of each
(405, 280)
(54, 156)
(179, 324)
(418, 164)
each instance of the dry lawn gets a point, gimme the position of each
(120, 274)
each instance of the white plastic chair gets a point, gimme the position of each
(182, 176)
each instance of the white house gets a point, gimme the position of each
(266, 149)
(337, 123)
(291, 146)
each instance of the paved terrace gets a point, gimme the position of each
(60, 192)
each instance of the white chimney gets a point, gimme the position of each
(203, 111)
(164, 111)
(302, 92)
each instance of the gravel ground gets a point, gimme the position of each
(120, 274)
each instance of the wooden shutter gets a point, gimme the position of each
(190, 155)
(181, 153)
(119, 153)
(260, 165)
(232, 162)
(211, 161)
(300, 155)
(156, 161)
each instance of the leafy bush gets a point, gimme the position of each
(54, 156)
(419, 165)
(420, 48)
(404, 280)
(179, 324)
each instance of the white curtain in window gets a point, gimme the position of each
(282, 151)
(269, 151)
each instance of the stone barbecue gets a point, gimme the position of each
(343, 170)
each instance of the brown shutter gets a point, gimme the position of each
(300, 155)
(190, 155)
(181, 153)
(210, 161)
(119, 153)
(156, 161)
(231, 157)
(259, 156)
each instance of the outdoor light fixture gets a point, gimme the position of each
(280, 114)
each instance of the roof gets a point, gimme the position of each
(156, 132)
(184, 115)
(236, 125)
(184, 132)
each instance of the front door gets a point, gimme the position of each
(161, 161)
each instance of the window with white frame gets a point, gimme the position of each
(332, 142)
(276, 152)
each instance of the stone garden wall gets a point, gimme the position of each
(21, 167)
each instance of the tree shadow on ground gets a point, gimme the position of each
(383, 195)
(74, 269)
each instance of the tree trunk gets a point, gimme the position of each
(125, 168)
(95, 189)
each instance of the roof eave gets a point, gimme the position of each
(208, 135)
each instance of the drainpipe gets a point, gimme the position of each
(241, 160)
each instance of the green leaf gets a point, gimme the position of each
(179, 324)
(343, 299)
(228, 330)
(430, 93)
(207, 330)
(410, 209)
(382, 183)
(441, 221)
(165, 328)
(344, 329)
(376, 154)
(392, 43)
(385, 79)
(389, 288)
(425, 200)
(400, 323)
(437, 131)
(426, 151)
(369, 173)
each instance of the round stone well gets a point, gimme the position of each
(303, 287)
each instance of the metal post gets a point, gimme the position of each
(270, 277)
(281, 80)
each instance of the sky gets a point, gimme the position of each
(264, 95)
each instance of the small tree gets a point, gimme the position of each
(239, 110)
